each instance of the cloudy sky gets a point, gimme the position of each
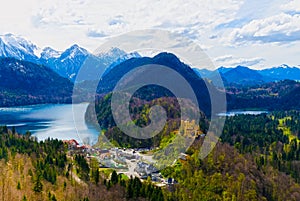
(255, 33)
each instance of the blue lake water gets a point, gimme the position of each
(58, 121)
(49, 120)
(241, 112)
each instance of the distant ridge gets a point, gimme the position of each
(244, 76)
(282, 72)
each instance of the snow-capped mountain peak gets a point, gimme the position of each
(48, 53)
(66, 63)
(74, 51)
(112, 52)
(284, 66)
(17, 41)
(17, 47)
(121, 59)
(125, 57)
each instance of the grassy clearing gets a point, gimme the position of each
(124, 177)
(106, 171)
(167, 140)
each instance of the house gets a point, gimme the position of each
(84, 147)
(72, 144)
(104, 151)
(144, 168)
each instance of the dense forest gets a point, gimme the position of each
(273, 139)
(26, 83)
(281, 95)
(257, 158)
(139, 109)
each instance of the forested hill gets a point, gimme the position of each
(282, 95)
(24, 83)
(139, 109)
(200, 87)
(146, 97)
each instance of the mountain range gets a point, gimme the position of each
(244, 76)
(26, 69)
(66, 63)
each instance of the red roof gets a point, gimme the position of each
(71, 142)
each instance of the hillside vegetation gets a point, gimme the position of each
(31, 170)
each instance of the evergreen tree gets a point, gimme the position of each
(38, 186)
(19, 185)
(114, 177)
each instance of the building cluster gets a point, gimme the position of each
(143, 168)
(73, 144)
(132, 161)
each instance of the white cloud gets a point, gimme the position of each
(95, 33)
(291, 6)
(279, 28)
(232, 61)
(61, 23)
(192, 18)
(59, 13)
(224, 58)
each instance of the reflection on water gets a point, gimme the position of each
(54, 121)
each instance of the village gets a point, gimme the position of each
(131, 162)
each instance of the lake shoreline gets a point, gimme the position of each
(50, 120)
(242, 112)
